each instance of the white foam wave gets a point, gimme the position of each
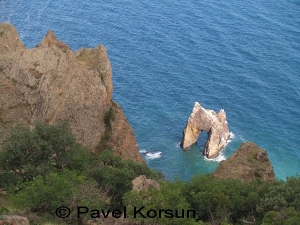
(153, 155)
(143, 151)
(219, 158)
(231, 137)
(227, 142)
(221, 155)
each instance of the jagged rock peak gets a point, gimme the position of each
(9, 39)
(214, 124)
(248, 163)
(49, 40)
(50, 83)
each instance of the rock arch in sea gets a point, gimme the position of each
(214, 124)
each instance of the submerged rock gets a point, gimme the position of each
(50, 83)
(246, 164)
(214, 124)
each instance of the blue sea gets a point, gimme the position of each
(240, 56)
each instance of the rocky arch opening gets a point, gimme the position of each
(202, 140)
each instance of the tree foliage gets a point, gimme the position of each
(26, 154)
(116, 174)
(170, 196)
(47, 168)
(281, 196)
(287, 216)
(44, 194)
(227, 201)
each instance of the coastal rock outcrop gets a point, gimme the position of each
(246, 164)
(214, 124)
(141, 182)
(50, 83)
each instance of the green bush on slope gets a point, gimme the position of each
(44, 194)
(45, 168)
(225, 201)
(26, 154)
(116, 175)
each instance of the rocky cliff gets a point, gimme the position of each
(214, 124)
(246, 164)
(50, 83)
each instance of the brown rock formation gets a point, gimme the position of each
(141, 182)
(14, 220)
(246, 164)
(214, 124)
(50, 83)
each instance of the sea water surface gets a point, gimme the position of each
(241, 56)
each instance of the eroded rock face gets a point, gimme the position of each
(50, 83)
(14, 220)
(214, 124)
(246, 164)
(141, 182)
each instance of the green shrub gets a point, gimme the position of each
(3, 210)
(27, 154)
(169, 197)
(116, 175)
(44, 194)
(281, 195)
(104, 141)
(287, 216)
